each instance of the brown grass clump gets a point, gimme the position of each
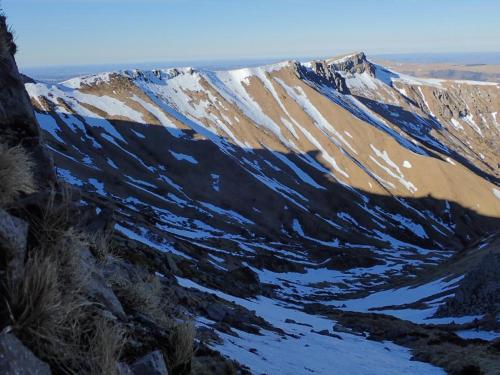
(105, 347)
(51, 313)
(16, 174)
(68, 249)
(181, 345)
(56, 216)
(45, 311)
(144, 296)
(100, 244)
(49, 309)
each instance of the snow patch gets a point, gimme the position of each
(215, 181)
(49, 124)
(183, 157)
(496, 193)
(301, 350)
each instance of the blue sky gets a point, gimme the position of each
(77, 32)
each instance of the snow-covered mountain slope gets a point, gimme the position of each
(300, 182)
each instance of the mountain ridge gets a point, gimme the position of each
(242, 74)
(340, 62)
(325, 182)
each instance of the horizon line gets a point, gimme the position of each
(254, 59)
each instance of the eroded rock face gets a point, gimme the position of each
(449, 105)
(356, 63)
(16, 359)
(322, 73)
(15, 106)
(18, 124)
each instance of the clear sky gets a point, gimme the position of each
(74, 32)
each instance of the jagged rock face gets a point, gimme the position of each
(15, 104)
(354, 64)
(449, 106)
(321, 73)
(17, 120)
(333, 165)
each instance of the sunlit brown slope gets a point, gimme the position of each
(333, 164)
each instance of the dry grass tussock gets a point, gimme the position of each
(50, 312)
(181, 345)
(105, 347)
(55, 218)
(49, 309)
(144, 295)
(16, 174)
(100, 244)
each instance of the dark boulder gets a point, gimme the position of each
(16, 359)
(151, 364)
(13, 241)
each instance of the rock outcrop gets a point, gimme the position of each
(16, 359)
(479, 291)
(14, 240)
(152, 363)
(321, 73)
(18, 125)
(354, 64)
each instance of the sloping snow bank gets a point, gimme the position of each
(303, 351)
